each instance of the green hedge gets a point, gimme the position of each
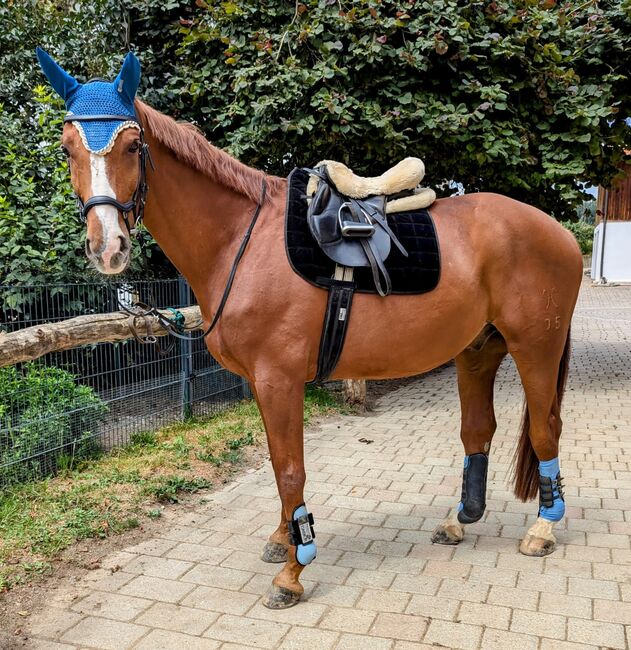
(47, 421)
(584, 233)
(527, 98)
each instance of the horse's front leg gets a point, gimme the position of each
(277, 545)
(281, 402)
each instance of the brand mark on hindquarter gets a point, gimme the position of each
(549, 296)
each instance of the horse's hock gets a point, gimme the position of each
(378, 582)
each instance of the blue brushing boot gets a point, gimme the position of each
(302, 535)
(551, 498)
(473, 498)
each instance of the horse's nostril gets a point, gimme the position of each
(116, 260)
(125, 244)
(88, 246)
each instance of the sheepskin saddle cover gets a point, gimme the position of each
(405, 176)
(414, 227)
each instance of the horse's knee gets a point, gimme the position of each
(291, 480)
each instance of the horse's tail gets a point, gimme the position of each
(525, 462)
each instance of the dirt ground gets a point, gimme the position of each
(17, 604)
(72, 564)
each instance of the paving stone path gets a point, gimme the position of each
(378, 583)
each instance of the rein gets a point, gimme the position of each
(136, 205)
(175, 327)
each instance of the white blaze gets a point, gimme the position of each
(106, 214)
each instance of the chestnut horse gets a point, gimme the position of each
(509, 282)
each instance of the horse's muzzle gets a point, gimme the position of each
(110, 259)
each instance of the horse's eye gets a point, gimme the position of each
(65, 150)
(134, 147)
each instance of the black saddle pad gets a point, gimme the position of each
(415, 274)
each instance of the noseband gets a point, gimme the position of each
(136, 205)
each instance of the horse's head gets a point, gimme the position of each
(106, 152)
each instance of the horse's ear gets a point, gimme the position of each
(128, 79)
(64, 84)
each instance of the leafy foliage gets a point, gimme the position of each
(41, 238)
(38, 221)
(526, 97)
(584, 233)
(47, 421)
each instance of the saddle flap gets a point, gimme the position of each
(340, 225)
(350, 252)
(322, 215)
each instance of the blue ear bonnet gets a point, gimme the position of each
(97, 98)
(100, 98)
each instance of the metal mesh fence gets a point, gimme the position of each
(76, 403)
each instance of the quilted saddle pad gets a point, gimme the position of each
(411, 275)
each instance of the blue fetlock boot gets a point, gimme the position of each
(551, 497)
(302, 535)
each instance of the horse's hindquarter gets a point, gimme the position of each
(502, 261)
(534, 274)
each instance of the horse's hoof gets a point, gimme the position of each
(536, 546)
(274, 553)
(449, 534)
(280, 598)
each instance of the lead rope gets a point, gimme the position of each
(175, 326)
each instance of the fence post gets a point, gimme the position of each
(186, 355)
(245, 389)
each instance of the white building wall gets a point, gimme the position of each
(614, 262)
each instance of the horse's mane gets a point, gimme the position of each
(188, 144)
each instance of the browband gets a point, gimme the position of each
(99, 118)
(136, 205)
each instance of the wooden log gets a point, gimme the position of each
(355, 391)
(33, 342)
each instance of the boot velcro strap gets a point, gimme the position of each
(549, 490)
(301, 530)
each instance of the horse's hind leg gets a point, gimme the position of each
(543, 371)
(281, 402)
(477, 367)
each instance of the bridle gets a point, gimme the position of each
(136, 205)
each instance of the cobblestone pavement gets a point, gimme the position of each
(378, 583)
